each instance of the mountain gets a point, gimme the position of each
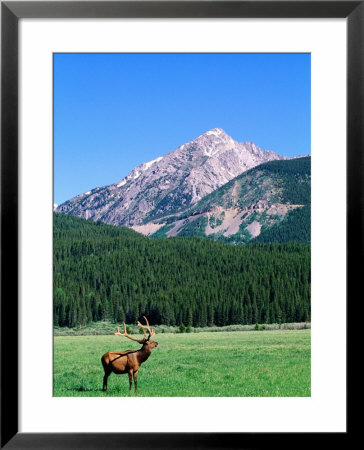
(169, 184)
(269, 203)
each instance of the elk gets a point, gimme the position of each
(129, 361)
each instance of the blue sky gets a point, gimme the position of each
(114, 111)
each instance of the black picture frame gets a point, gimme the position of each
(11, 12)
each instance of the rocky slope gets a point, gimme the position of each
(169, 184)
(270, 202)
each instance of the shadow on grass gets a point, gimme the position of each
(109, 392)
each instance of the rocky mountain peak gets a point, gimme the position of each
(215, 133)
(171, 183)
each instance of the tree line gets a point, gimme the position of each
(111, 273)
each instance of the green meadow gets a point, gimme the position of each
(225, 364)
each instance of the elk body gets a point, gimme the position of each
(129, 361)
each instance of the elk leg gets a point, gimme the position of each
(130, 379)
(104, 386)
(136, 381)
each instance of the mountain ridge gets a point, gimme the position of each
(245, 208)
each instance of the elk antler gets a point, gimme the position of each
(140, 341)
(147, 327)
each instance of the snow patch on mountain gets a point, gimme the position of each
(150, 163)
(214, 132)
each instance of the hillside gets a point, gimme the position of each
(269, 203)
(103, 272)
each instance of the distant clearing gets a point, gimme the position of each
(148, 229)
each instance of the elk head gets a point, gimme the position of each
(147, 343)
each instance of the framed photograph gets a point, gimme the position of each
(158, 213)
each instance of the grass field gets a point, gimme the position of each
(225, 364)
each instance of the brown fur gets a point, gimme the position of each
(128, 361)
